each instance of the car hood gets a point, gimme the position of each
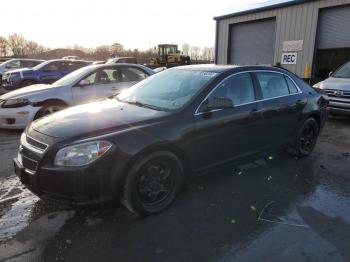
(95, 119)
(336, 83)
(26, 92)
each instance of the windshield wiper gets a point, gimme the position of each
(140, 104)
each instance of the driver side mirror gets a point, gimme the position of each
(218, 103)
(84, 82)
(330, 73)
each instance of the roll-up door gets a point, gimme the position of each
(252, 43)
(334, 28)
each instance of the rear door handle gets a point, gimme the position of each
(255, 112)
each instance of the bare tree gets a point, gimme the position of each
(17, 44)
(116, 48)
(3, 46)
(195, 52)
(186, 49)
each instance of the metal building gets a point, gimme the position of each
(310, 38)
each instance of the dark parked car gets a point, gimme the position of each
(46, 73)
(139, 145)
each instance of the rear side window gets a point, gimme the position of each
(292, 88)
(129, 74)
(238, 88)
(272, 84)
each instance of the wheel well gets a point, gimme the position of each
(317, 118)
(46, 102)
(51, 101)
(30, 79)
(178, 152)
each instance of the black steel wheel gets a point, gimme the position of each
(307, 137)
(153, 183)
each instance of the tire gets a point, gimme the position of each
(153, 183)
(28, 83)
(307, 138)
(49, 108)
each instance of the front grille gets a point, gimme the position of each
(337, 93)
(29, 159)
(35, 143)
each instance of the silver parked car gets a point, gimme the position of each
(96, 82)
(337, 87)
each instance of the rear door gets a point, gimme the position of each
(282, 103)
(226, 134)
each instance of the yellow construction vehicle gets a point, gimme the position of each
(169, 56)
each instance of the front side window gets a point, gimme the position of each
(238, 88)
(272, 84)
(168, 90)
(102, 76)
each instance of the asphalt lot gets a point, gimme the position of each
(274, 209)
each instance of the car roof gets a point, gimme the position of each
(121, 64)
(69, 60)
(223, 68)
(25, 59)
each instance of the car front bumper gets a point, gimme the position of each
(339, 106)
(17, 118)
(87, 185)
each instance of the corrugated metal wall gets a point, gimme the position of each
(297, 22)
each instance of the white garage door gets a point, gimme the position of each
(252, 43)
(334, 28)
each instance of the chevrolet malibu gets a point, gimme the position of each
(138, 146)
(20, 107)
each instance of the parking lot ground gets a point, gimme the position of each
(275, 209)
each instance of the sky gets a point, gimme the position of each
(134, 24)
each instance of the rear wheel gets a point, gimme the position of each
(153, 183)
(50, 108)
(307, 138)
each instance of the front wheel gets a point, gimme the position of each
(307, 138)
(153, 183)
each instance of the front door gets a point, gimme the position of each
(225, 134)
(100, 84)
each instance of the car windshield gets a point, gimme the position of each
(167, 91)
(343, 71)
(74, 76)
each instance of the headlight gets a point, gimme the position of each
(81, 154)
(15, 103)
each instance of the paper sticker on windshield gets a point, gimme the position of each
(208, 74)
